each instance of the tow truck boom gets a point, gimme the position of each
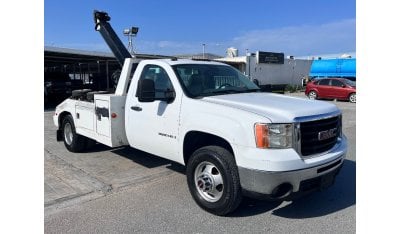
(107, 32)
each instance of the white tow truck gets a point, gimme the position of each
(233, 139)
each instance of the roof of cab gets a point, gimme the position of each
(172, 62)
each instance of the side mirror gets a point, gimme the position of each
(344, 86)
(146, 91)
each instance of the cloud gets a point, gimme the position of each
(334, 37)
(168, 47)
(302, 40)
(180, 47)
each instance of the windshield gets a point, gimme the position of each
(199, 80)
(349, 82)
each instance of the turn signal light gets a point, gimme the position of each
(261, 132)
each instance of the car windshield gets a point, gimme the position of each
(199, 80)
(349, 82)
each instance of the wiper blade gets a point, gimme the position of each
(230, 91)
(236, 91)
(252, 90)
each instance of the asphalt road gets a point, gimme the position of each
(125, 190)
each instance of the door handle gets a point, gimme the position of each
(136, 108)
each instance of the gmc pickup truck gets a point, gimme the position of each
(233, 139)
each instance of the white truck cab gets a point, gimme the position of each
(233, 139)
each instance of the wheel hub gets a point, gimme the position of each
(209, 182)
(205, 183)
(68, 135)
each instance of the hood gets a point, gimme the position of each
(276, 107)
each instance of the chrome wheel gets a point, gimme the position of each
(72, 141)
(213, 179)
(209, 182)
(312, 95)
(352, 98)
(68, 134)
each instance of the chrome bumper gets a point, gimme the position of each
(266, 183)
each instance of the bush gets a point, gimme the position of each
(293, 88)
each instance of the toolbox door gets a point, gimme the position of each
(102, 112)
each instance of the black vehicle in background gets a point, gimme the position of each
(59, 85)
(56, 85)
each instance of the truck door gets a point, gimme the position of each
(153, 126)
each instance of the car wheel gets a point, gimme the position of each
(312, 95)
(352, 98)
(72, 141)
(213, 180)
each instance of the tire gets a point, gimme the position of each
(352, 98)
(115, 78)
(312, 95)
(72, 141)
(213, 180)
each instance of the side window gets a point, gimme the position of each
(336, 83)
(324, 82)
(160, 77)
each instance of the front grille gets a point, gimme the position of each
(309, 131)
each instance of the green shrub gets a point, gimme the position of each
(294, 88)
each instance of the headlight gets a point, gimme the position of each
(273, 135)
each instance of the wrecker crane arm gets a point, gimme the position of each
(101, 19)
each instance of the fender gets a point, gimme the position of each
(233, 125)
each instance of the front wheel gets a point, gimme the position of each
(213, 180)
(352, 98)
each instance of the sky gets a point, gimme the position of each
(173, 27)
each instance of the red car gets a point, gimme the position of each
(332, 88)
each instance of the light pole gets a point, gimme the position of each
(204, 50)
(130, 33)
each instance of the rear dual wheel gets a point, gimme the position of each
(73, 141)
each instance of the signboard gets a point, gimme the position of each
(269, 57)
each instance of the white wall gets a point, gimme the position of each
(291, 72)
